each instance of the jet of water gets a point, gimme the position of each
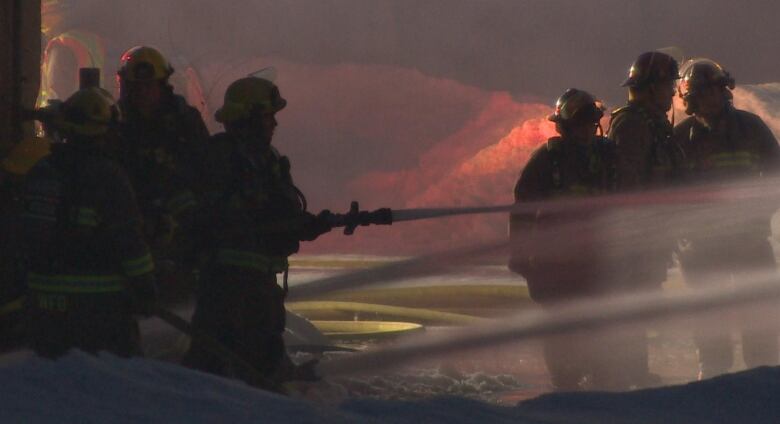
(591, 314)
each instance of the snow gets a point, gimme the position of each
(81, 388)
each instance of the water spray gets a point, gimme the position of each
(563, 320)
(764, 190)
(625, 221)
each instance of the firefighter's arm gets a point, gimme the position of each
(122, 221)
(313, 226)
(522, 225)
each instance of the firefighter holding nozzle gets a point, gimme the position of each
(253, 218)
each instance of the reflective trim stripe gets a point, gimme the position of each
(252, 260)
(87, 217)
(35, 216)
(739, 159)
(138, 266)
(13, 306)
(76, 283)
(741, 154)
(577, 190)
(182, 202)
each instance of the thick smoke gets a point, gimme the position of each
(405, 105)
(389, 136)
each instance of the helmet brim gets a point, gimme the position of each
(630, 82)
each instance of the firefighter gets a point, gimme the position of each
(721, 144)
(559, 265)
(89, 268)
(253, 218)
(161, 142)
(647, 155)
(647, 159)
(13, 169)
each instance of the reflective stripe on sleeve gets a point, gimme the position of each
(87, 217)
(245, 259)
(12, 306)
(182, 202)
(138, 266)
(739, 159)
(76, 283)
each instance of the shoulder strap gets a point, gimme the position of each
(620, 110)
(554, 148)
(615, 113)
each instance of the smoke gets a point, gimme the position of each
(527, 48)
(428, 105)
(348, 121)
(763, 100)
(389, 136)
(487, 176)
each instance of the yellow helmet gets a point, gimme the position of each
(24, 155)
(88, 112)
(249, 95)
(143, 63)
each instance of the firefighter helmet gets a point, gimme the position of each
(24, 155)
(88, 112)
(652, 67)
(577, 106)
(700, 73)
(142, 63)
(247, 96)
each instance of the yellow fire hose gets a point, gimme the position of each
(325, 309)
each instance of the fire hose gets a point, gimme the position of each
(386, 216)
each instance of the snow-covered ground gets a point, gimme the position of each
(81, 388)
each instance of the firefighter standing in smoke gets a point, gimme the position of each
(558, 269)
(647, 158)
(90, 268)
(161, 141)
(723, 143)
(253, 219)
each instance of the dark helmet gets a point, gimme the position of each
(700, 73)
(576, 106)
(651, 67)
